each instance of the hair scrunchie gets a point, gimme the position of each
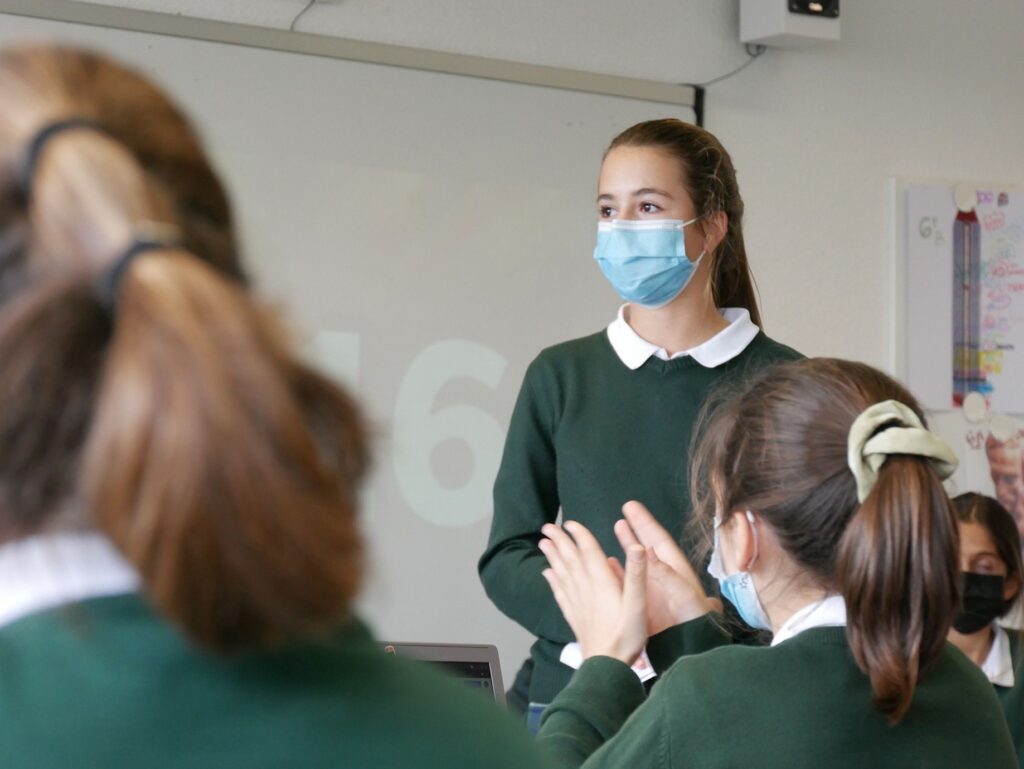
(869, 445)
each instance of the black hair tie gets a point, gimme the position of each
(39, 142)
(108, 284)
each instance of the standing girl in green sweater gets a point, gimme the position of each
(821, 490)
(179, 549)
(990, 566)
(608, 418)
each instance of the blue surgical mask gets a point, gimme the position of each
(645, 260)
(739, 588)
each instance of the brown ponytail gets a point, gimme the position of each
(202, 467)
(710, 180)
(896, 569)
(779, 447)
(182, 425)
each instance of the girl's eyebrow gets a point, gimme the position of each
(983, 553)
(637, 193)
(652, 191)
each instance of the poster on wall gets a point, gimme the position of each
(962, 248)
(964, 279)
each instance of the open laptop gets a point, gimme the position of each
(475, 665)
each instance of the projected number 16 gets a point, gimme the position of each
(421, 429)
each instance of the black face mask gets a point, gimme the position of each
(982, 602)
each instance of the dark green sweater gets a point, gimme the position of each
(105, 684)
(1012, 697)
(803, 703)
(587, 435)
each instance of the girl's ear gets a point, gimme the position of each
(715, 227)
(739, 546)
(1011, 587)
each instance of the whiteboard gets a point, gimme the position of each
(428, 234)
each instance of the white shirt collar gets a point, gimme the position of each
(46, 571)
(633, 350)
(998, 665)
(828, 612)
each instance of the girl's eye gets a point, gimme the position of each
(604, 212)
(986, 566)
(649, 208)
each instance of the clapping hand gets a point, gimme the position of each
(606, 608)
(674, 592)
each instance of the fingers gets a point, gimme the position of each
(604, 603)
(644, 524)
(681, 599)
(625, 534)
(561, 551)
(567, 607)
(562, 566)
(616, 567)
(593, 558)
(634, 599)
(652, 534)
(634, 584)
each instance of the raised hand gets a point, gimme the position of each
(674, 591)
(607, 614)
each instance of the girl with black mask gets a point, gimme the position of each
(990, 564)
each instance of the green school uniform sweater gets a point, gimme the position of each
(587, 435)
(1012, 697)
(802, 703)
(105, 684)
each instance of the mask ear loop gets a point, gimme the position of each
(716, 548)
(753, 531)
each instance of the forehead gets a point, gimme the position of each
(975, 538)
(1005, 459)
(631, 168)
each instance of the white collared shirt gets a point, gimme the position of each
(828, 612)
(49, 570)
(633, 350)
(998, 665)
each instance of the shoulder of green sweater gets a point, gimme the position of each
(1016, 638)
(763, 347)
(133, 609)
(740, 659)
(445, 717)
(584, 348)
(557, 368)
(105, 610)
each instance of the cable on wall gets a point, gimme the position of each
(310, 4)
(754, 50)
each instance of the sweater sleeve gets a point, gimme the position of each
(589, 711)
(600, 721)
(525, 498)
(693, 637)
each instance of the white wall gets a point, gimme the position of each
(916, 88)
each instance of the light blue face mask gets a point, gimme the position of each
(645, 260)
(739, 588)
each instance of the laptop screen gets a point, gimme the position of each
(474, 665)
